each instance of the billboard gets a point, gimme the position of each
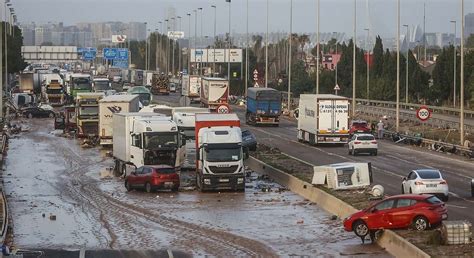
(119, 38)
(217, 55)
(176, 34)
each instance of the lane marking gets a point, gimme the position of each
(456, 206)
(170, 253)
(82, 253)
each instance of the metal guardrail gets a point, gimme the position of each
(409, 106)
(4, 226)
(431, 144)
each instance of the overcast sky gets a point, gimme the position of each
(336, 15)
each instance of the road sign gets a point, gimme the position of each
(120, 63)
(110, 53)
(88, 55)
(176, 34)
(223, 109)
(122, 54)
(337, 87)
(423, 113)
(255, 72)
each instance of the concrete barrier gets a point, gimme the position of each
(393, 243)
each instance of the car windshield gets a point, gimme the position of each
(359, 124)
(165, 170)
(189, 133)
(365, 138)
(223, 155)
(433, 200)
(101, 85)
(89, 111)
(82, 84)
(429, 174)
(144, 98)
(157, 140)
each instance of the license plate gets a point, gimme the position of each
(224, 180)
(169, 184)
(365, 143)
(431, 185)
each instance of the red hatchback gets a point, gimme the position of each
(359, 126)
(153, 178)
(399, 211)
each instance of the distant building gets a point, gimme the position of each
(469, 24)
(329, 61)
(136, 31)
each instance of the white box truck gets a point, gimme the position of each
(110, 105)
(144, 139)
(214, 92)
(323, 118)
(185, 118)
(191, 87)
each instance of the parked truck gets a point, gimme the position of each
(27, 82)
(214, 92)
(144, 139)
(263, 106)
(87, 113)
(220, 155)
(191, 87)
(185, 118)
(110, 105)
(53, 90)
(323, 119)
(160, 84)
(79, 83)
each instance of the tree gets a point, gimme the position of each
(377, 68)
(16, 62)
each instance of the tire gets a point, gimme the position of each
(127, 186)
(353, 151)
(360, 228)
(445, 198)
(148, 187)
(350, 152)
(29, 115)
(124, 171)
(51, 115)
(420, 223)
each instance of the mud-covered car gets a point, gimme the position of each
(32, 112)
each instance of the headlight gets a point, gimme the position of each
(207, 181)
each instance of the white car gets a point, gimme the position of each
(363, 143)
(426, 181)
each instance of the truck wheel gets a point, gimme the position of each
(127, 186)
(124, 170)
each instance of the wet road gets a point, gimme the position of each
(390, 166)
(47, 175)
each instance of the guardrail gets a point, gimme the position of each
(409, 106)
(431, 144)
(3, 198)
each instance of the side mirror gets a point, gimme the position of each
(404, 179)
(246, 153)
(183, 141)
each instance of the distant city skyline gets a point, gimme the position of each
(335, 15)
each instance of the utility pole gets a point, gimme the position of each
(354, 61)
(200, 42)
(408, 51)
(229, 44)
(214, 45)
(173, 42)
(157, 53)
(289, 56)
(398, 67)
(266, 52)
(247, 52)
(454, 75)
(424, 29)
(368, 59)
(180, 68)
(189, 44)
(146, 47)
(461, 101)
(317, 47)
(195, 38)
(158, 47)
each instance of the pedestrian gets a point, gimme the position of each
(380, 128)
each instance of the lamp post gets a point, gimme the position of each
(228, 51)
(214, 45)
(368, 60)
(317, 47)
(461, 101)
(200, 42)
(189, 43)
(247, 52)
(398, 67)
(266, 52)
(146, 46)
(406, 69)
(289, 56)
(173, 43)
(454, 73)
(354, 60)
(158, 47)
(195, 38)
(180, 68)
(167, 48)
(157, 33)
(7, 4)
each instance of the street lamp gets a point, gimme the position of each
(159, 47)
(201, 45)
(461, 122)
(354, 61)
(214, 45)
(167, 48)
(247, 52)
(180, 48)
(454, 73)
(398, 67)
(266, 52)
(317, 47)
(289, 56)
(189, 43)
(408, 51)
(146, 46)
(228, 51)
(368, 59)
(337, 42)
(173, 42)
(195, 38)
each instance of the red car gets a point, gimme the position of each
(359, 126)
(399, 211)
(152, 178)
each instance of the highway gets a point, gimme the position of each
(390, 166)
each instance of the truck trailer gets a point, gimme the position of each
(323, 119)
(110, 105)
(214, 92)
(191, 87)
(263, 106)
(219, 151)
(144, 139)
(87, 113)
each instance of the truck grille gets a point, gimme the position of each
(223, 170)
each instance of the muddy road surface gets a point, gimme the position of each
(57, 200)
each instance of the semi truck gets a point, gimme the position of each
(53, 90)
(101, 84)
(323, 119)
(143, 93)
(214, 92)
(263, 106)
(27, 82)
(191, 87)
(144, 139)
(160, 84)
(219, 151)
(87, 113)
(185, 119)
(79, 83)
(110, 105)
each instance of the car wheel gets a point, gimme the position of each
(51, 115)
(29, 115)
(148, 187)
(445, 198)
(350, 152)
(420, 223)
(127, 186)
(360, 228)
(353, 151)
